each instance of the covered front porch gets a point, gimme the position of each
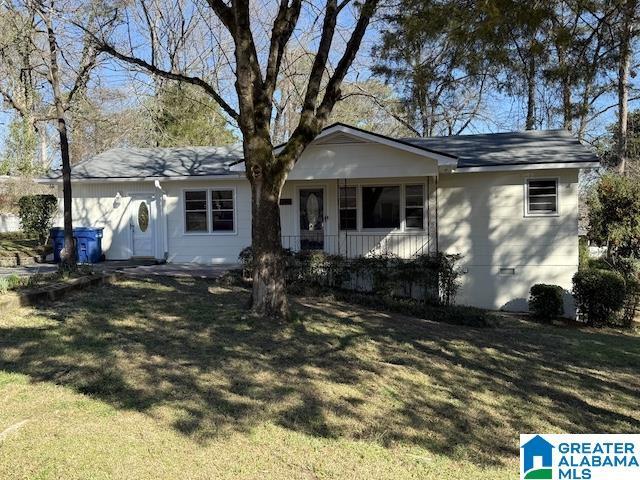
(353, 193)
(360, 217)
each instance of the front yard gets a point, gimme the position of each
(172, 379)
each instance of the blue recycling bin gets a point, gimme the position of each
(88, 242)
(57, 239)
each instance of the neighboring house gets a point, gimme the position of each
(507, 202)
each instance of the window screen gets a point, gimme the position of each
(542, 197)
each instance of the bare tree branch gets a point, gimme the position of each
(104, 47)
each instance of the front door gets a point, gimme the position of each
(311, 219)
(141, 227)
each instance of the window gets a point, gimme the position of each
(414, 206)
(222, 210)
(195, 208)
(143, 216)
(348, 208)
(542, 197)
(381, 207)
(209, 211)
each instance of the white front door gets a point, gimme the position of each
(142, 227)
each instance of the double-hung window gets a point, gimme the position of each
(195, 211)
(222, 211)
(348, 208)
(209, 211)
(414, 207)
(542, 197)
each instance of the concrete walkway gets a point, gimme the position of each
(188, 270)
(28, 270)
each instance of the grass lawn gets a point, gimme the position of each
(171, 379)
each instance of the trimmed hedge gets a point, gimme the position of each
(546, 302)
(423, 287)
(431, 279)
(599, 295)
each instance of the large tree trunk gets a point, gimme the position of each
(623, 82)
(531, 94)
(68, 255)
(269, 290)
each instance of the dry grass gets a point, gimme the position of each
(172, 379)
(12, 244)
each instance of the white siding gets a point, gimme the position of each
(207, 248)
(107, 205)
(359, 160)
(482, 217)
(9, 222)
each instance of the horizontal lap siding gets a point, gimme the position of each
(97, 205)
(207, 248)
(482, 217)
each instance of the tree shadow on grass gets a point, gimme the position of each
(187, 353)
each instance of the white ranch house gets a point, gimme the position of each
(507, 202)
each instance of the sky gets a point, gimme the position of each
(506, 113)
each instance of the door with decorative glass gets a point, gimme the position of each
(312, 219)
(141, 225)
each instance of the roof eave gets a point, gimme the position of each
(527, 166)
(233, 176)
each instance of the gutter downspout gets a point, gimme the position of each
(436, 186)
(165, 227)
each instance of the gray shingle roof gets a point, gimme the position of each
(160, 162)
(485, 150)
(516, 148)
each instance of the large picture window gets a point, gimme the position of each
(381, 207)
(348, 208)
(195, 211)
(209, 211)
(414, 206)
(222, 210)
(542, 197)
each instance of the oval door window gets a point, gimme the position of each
(143, 216)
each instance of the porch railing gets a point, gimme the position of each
(352, 245)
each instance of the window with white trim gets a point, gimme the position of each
(195, 211)
(209, 211)
(381, 207)
(414, 207)
(222, 211)
(542, 196)
(348, 208)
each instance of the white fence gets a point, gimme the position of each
(9, 223)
